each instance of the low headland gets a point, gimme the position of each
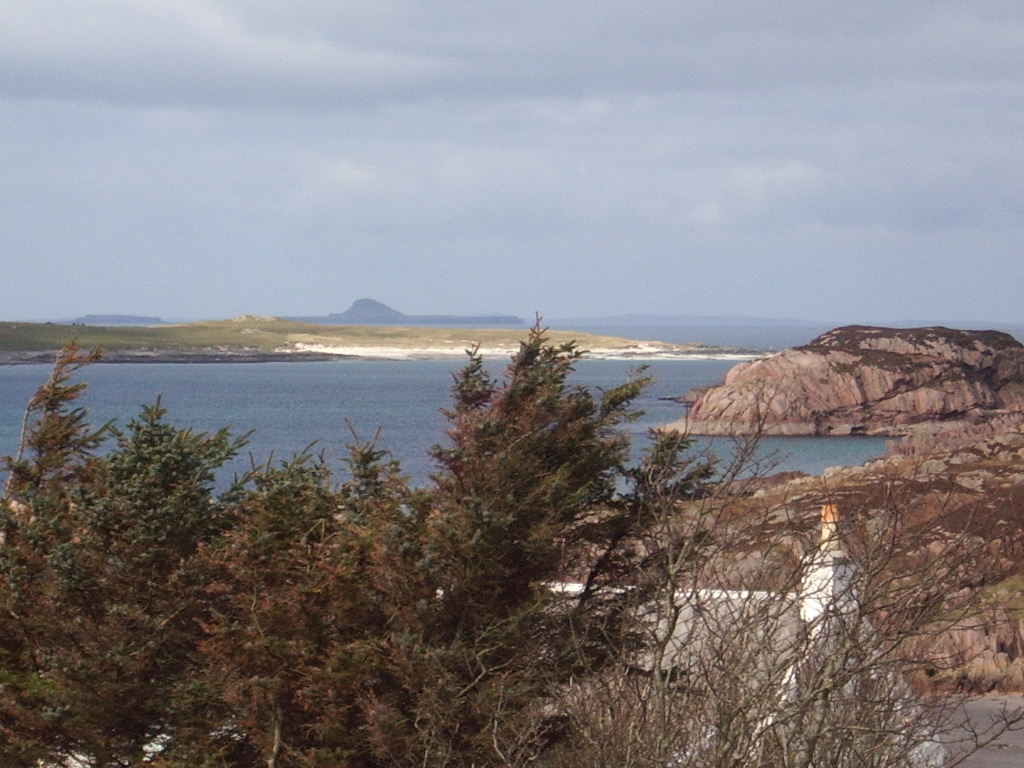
(251, 338)
(869, 381)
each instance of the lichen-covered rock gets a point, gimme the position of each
(864, 380)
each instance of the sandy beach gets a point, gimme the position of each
(458, 349)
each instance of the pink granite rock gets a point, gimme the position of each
(863, 380)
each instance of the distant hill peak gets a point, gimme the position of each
(366, 310)
(373, 312)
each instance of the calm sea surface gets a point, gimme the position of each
(288, 406)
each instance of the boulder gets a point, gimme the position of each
(865, 380)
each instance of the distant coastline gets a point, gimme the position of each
(327, 354)
(251, 339)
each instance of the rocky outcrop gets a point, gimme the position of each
(966, 505)
(865, 380)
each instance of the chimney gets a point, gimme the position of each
(829, 529)
(828, 589)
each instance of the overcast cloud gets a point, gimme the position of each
(840, 161)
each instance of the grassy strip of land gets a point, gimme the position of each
(273, 335)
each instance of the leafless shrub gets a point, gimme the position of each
(946, 437)
(768, 643)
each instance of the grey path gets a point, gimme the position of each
(1008, 750)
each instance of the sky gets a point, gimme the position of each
(825, 161)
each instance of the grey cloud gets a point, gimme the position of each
(544, 149)
(328, 56)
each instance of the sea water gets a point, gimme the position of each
(289, 407)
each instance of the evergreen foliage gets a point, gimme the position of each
(100, 586)
(290, 621)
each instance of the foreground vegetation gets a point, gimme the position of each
(540, 602)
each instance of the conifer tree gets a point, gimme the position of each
(99, 594)
(54, 453)
(286, 645)
(532, 489)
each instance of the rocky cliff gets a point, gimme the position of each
(864, 380)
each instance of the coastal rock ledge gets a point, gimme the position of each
(866, 380)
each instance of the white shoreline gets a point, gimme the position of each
(640, 352)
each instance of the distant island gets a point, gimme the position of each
(372, 312)
(250, 338)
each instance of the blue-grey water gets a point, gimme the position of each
(768, 337)
(288, 406)
(759, 336)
